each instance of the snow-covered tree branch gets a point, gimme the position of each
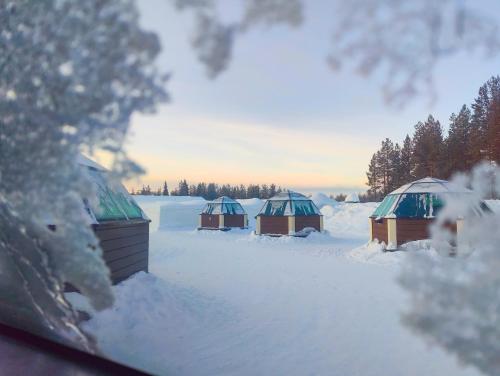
(72, 74)
(403, 39)
(454, 300)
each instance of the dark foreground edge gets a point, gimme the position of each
(23, 353)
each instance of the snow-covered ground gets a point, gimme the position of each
(226, 303)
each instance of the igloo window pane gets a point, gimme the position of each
(275, 208)
(304, 208)
(386, 205)
(114, 203)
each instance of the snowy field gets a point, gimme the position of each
(226, 303)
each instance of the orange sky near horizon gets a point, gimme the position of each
(225, 152)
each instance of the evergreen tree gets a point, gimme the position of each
(243, 191)
(479, 124)
(211, 192)
(201, 190)
(493, 120)
(253, 191)
(264, 192)
(427, 155)
(457, 144)
(192, 190)
(373, 176)
(183, 189)
(272, 190)
(406, 165)
(165, 189)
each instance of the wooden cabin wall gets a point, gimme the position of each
(234, 220)
(273, 225)
(301, 222)
(210, 220)
(125, 247)
(408, 229)
(379, 230)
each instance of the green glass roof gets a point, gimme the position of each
(114, 202)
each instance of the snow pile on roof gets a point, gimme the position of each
(223, 200)
(430, 185)
(320, 199)
(352, 197)
(288, 195)
(493, 205)
(84, 161)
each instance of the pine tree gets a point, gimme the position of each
(211, 191)
(457, 144)
(183, 189)
(192, 190)
(373, 176)
(165, 189)
(272, 190)
(407, 167)
(493, 120)
(264, 191)
(479, 124)
(427, 152)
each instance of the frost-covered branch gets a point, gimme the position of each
(454, 300)
(213, 39)
(405, 40)
(73, 72)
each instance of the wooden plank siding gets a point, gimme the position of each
(210, 220)
(408, 229)
(125, 247)
(379, 230)
(273, 225)
(301, 222)
(234, 220)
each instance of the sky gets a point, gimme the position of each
(278, 114)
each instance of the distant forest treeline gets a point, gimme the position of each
(211, 191)
(473, 136)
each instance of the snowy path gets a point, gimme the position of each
(232, 303)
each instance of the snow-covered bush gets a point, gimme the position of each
(454, 300)
(71, 75)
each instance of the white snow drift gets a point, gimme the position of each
(226, 303)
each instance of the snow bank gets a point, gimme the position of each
(213, 305)
(352, 197)
(252, 206)
(149, 320)
(181, 214)
(374, 252)
(348, 220)
(151, 205)
(320, 199)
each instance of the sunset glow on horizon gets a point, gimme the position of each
(278, 114)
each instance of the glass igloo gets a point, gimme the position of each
(223, 213)
(405, 214)
(289, 213)
(118, 222)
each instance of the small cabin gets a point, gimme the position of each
(406, 213)
(223, 213)
(289, 213)
(119, 223)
